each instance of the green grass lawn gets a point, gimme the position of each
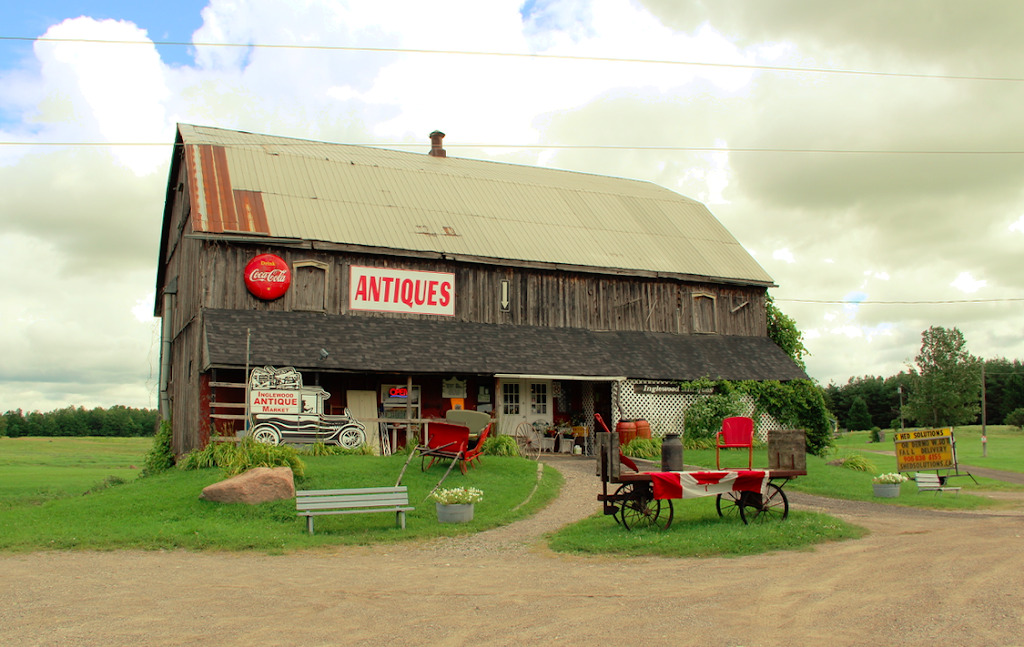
(1004, 447)
(42, 483)
(33, 470)
(698, 531)
(164, 511)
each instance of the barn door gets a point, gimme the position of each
(363, 407)
(523, 401)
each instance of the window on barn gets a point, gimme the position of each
(538, 397)
(309, 286)
(704, 319)
(510, 398)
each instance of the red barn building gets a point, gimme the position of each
(537, 294)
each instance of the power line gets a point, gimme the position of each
(611, 147)
(563, 57)
(889, 303)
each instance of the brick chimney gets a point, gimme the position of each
(435, 144)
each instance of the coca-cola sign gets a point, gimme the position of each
(267, 277)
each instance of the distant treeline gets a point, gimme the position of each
(880, 398)
(115, 421)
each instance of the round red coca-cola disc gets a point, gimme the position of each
(267, 277)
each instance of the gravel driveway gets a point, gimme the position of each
(919, 578)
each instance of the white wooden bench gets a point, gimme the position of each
(931, 482)
(313, 503)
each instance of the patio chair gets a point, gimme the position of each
(444, 441)
(475, 449)
(737, 432)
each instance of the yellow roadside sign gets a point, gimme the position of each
(925, 449)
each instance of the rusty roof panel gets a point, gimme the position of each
(458, 207)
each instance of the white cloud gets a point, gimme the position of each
(85, 221)
(967, 283)
(784, 255)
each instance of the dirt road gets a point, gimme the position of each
(919, 578)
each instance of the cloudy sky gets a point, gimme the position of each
(868, 154)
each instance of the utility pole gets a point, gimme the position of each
(984, 437)
(900, 389)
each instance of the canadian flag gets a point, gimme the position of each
(687, 485)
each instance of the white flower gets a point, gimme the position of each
(891, 477)
(457, 495)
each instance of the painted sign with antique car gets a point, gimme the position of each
(282, 410)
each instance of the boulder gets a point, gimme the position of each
(258, 485)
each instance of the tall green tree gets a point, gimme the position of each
(859, 419)
(948, 388)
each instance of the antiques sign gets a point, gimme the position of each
(385, 289)
(925, 449)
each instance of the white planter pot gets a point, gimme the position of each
(454, 513)
(887, 490)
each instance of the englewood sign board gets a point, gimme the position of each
(385, 289)
(925, 449)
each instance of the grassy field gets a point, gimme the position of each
(34, 470)
(42, 483)
(164, 511)
(698, 531)
(1004, 446)
(841, 483)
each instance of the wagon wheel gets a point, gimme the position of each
(730, 505)
(528, 446)
(772, 506)
(639, 509)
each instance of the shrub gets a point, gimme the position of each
(698, 443)
(501, 446)
(857, 463)
(323, 449)
(642, 448)
(1015, 418)
(876, 435)
(160, 457)
(235, 458)
(704, 417)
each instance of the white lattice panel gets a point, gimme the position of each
(664, 411)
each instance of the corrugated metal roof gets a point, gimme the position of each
(457, 207)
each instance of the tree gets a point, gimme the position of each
(1016, 418)
(948, 388)
(859, 418)
(783, 331)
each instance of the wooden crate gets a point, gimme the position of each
(787, 450)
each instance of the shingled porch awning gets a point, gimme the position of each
(369, 344)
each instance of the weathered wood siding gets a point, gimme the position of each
(537, 297)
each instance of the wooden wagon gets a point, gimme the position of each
(643, 499)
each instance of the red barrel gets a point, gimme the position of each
(643, 429)
(626, 430)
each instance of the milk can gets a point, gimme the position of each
(671, 453)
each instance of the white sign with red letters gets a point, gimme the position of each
(384, 289)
